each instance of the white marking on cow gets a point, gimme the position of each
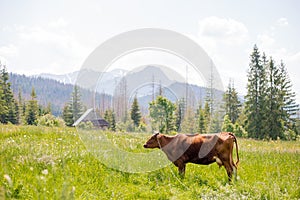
(219, 162)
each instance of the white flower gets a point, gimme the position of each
(45, 171)
(8, 179)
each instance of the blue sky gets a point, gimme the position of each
(57, 36)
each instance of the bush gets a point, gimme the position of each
(239, 131)
(290, 135)
(86, 125)
(50, 121)
(227, 125)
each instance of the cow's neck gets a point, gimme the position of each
(164, 140)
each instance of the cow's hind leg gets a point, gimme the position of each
(229, 170)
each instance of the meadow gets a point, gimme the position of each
(55, 163)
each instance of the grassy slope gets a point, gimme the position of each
(53, 163)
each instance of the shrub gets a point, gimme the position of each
(240, 131)
(290, 135)
(86, 125)
(50, 121)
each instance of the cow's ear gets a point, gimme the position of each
(156, 134)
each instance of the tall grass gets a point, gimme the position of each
(54, 163)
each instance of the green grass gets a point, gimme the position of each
(54, 163)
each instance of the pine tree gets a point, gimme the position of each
(67, 114)
(289, 109)
(8, 106)
(179, 114)
(110, 117)
(77, 107)
(255, 100)
(189, 123)
(270, 103)
(135, 112)
(74, 109)
(32, 109)
(207, 116)
(231, 103)
(274, 102)
(202, 126)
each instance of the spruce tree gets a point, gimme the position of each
(207, 116)
(202, 126)
(67, 114)
(77, 107)
(179, 114)
(8, 106)
(110, 117)
(231, 103)
(274, 102)
(74, 109)
(32, 109)
(189, 122)
(270, 106)
(288, 108)
(255, 100)
(135, 112)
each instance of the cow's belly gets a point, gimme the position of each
(202, 161)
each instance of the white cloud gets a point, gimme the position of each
(59, 23)
(228, 31)
(282, 22)
(265, 40)
(3, 60)
(8, 50)
(49, 47)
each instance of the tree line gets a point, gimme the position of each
(18, 110)
(269, 110)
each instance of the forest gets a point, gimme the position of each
(268, 111)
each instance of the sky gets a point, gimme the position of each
(57, 36)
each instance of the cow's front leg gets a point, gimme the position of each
(181, 167)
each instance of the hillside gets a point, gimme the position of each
(47, 90)
(143, 82)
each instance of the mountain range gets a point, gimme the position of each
(144, 82)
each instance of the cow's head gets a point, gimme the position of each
(153, 142)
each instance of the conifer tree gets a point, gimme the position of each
(179, 114)
(110, 117)
(135, 112)
(289, 108)
(255, 105)
(32, 109)
(67, 114)
(231, 103)
(8, 105)
(270, 106)
(189, 122)
(207, 116)
(74, 109)
(274, 127)
(77, 106)
(202, 126)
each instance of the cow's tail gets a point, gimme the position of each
(237, 149)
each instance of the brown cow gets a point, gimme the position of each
(199, 149)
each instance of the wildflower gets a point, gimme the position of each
(45, 171)
(8, 179)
